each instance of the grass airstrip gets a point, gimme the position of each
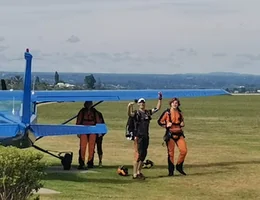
(223, 160)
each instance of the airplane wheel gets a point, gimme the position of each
(66, 161)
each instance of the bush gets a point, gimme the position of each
(21, 173)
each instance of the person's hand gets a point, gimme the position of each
(160, 95)
(131, 104)
(182, 124)
(169, 124)
(99, 135)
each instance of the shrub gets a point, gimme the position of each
(21, 173)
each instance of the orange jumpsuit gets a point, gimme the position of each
(177, 137)
(87, 117)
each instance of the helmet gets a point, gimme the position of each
(148, 164)
(122, 171)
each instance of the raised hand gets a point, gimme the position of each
(160, 95)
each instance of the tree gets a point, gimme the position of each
(21, 173)
(98, 85)
(90, 81)
(37, 80)
(16, 82)
(57, 77)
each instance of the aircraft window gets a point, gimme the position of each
(9, 106)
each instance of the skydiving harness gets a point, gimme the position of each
(84, 111)
(134, 122)
(170, 135)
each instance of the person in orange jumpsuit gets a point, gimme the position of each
(87, 116)
(173, 121)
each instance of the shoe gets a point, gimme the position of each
(141, 176)
(171, 174)
(82, 167)
(179, 168)
(170, 167)
(100, 164)
(90, 164)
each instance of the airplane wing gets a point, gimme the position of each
(41, 130)
(9, 130)
(11, 95)
(107, 95)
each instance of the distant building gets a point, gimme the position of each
(65, 85)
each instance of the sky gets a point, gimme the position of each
(131, 36)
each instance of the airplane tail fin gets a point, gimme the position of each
(26, 105)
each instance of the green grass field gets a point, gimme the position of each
(223, 160)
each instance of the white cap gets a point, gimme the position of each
(141, 99)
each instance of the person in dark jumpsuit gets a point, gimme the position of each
(141, 139)
(99, 142)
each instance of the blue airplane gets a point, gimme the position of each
(18, 111)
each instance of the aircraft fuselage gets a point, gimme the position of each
(23, 138)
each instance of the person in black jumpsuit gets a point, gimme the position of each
(141, 139)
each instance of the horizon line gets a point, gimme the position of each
(216, 72)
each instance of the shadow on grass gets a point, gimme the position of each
(217, 164)
(100, 177)
(114, 167)
(79, 178)
(178, 175)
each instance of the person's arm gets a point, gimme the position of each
(182, 124)
(130, 109)
(162, 121)
(79, 117)
(159, 104)
(102, 118)
(99, 117)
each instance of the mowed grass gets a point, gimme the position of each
(223, 160)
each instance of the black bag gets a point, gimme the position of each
(167, 136)
(131, 126)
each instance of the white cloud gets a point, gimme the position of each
(73, 39)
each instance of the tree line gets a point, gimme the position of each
(16, 83)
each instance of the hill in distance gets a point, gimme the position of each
(155, 81)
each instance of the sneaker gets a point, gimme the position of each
(82, 167)
(141, 176)
(100, 164)
(138, 177)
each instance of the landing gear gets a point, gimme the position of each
(66, 160)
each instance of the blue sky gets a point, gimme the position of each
(126, 36)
